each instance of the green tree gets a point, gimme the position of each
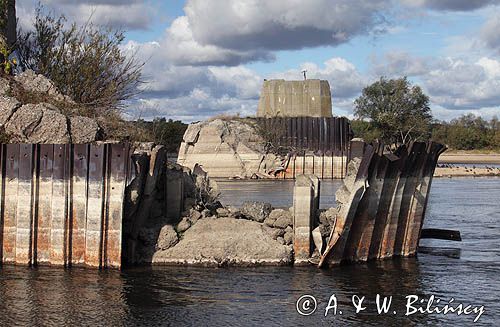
(398, 110)
(85, 62)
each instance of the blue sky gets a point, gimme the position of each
(209, 57)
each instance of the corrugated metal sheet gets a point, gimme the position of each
(322, 135)
(62, 204)
(383, 212)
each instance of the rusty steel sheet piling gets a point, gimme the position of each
(62, 204)
(382, 202)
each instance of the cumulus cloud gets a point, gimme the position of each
(191, 92)
(452, 83)
(490, 33)
(280, 24)
(345, 80)
(462, 85)
(224, 32)
(182, 49)
(400, 63)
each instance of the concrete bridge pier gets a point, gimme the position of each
(305, 206)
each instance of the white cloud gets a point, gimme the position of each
(490, 33)
(345, 80)
(281, 24)
(182, 49)
(463, 85)
(398, 64)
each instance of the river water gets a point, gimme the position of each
(468, 272)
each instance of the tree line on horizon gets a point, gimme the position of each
(396, 112)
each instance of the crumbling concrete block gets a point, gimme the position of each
(308, 98)
(303, 207)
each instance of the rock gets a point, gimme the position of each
(40, 123)
(257, 211)
(183, 225)
(8, 106)
(83, 130)
(274, 232)
(228, 148)
(269, 221)
(167, 238)
(282, 218)
(4, 87)
(194, 216)
(281, 240)
(225, 241)
(327, 217)
(35, 83)
(222, 212)
(235, 212)
(192, 133)
(288, 237)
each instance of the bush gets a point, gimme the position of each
(468, 132)
(84, 62)
(399, 111)
(161, 131)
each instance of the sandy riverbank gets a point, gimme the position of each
(470, 158)
(445, 170)
(457, 164)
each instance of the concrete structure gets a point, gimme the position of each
(235, 148)
(307, 98)
(382, 202)
(304, 206)
(63, 204)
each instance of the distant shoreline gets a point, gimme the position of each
(469, 158)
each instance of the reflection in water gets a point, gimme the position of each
(59, 297)
(266, 296)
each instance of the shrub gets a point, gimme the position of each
(84, 62)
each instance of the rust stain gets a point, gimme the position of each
(387, 219)
(54, 201)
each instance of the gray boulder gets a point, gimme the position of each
(167, 238)
(40, 123)
(274, 232)
(83, 129)
(257, 211)
(222, 212)
(194, 216)
(36, 83)
(8, 106)
(282, 218)
(183, 225)
(4, 87)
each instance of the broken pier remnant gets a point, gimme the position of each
(382, 202)
(305, 206)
